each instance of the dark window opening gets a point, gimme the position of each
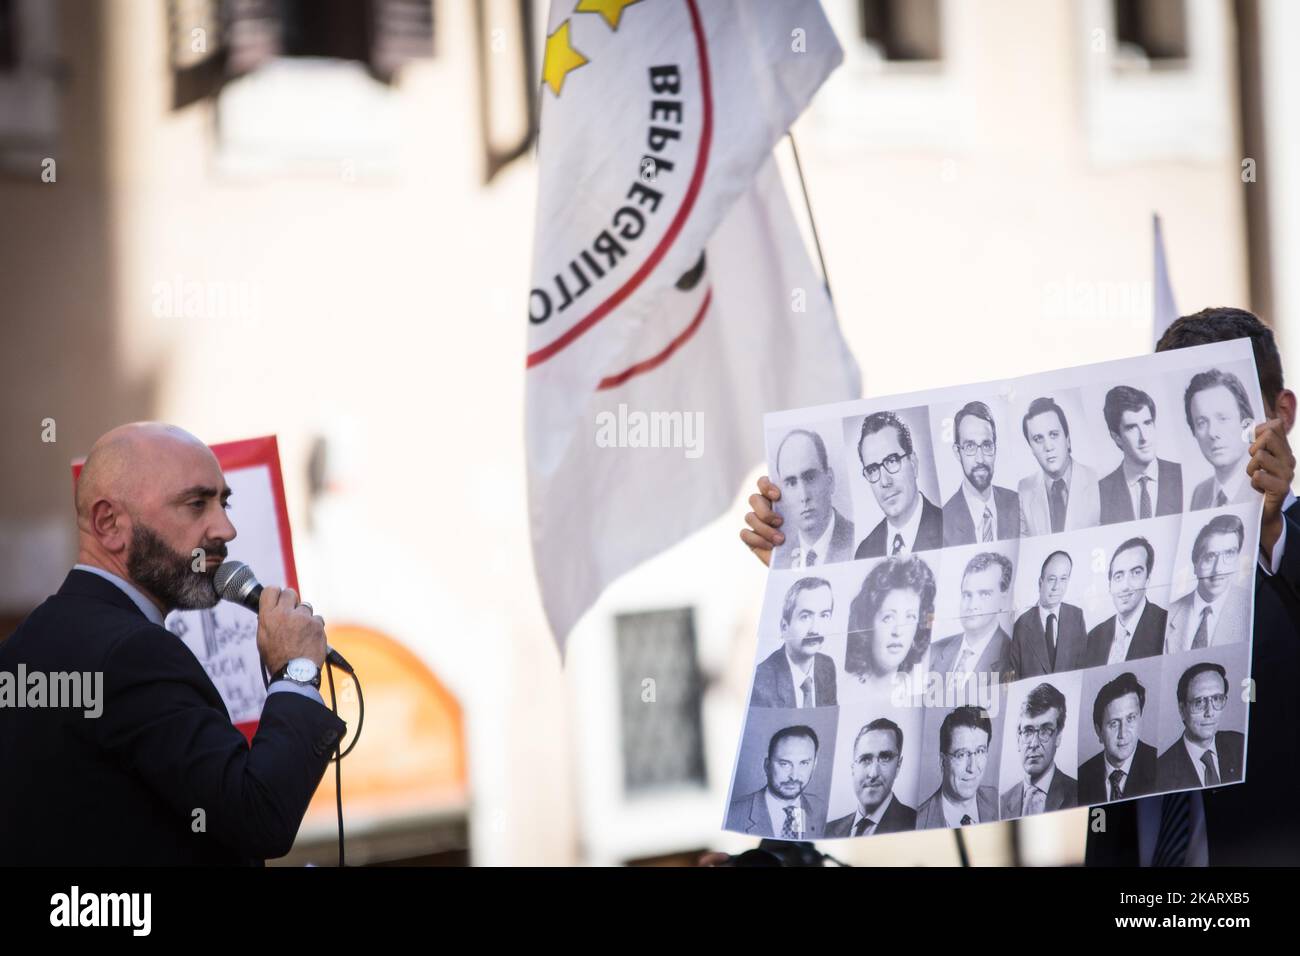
(903, 30)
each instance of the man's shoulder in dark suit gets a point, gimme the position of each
(768, 678)
(1229, 747)
(824, 678)
(162, 745)
(1116, 506)
(958, 528)
(1008, 505)
(873, 545)
(1099, 639)
(842, 535)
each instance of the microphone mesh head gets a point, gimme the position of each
(233, 579)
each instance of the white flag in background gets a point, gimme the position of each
(673, 300)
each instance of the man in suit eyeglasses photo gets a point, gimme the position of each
(877, 758)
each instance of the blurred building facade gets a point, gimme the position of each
(281, 229)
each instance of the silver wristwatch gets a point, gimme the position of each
(300, 670)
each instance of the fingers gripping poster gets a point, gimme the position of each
(1005, 599)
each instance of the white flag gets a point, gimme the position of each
(673, 301)
(1164, 312)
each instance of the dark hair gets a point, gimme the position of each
(976, 718)
(1043, 698)
(893, 574)
(792, 595)
(1219, 524)
(985, 560)
(1189, 675)
(1125, 398)
(979, 410)
(879, 421)
(1142, 543)
(1040, 406)
(881, 723)
(817, 443)
(798, 730)
(1064, 554)
(1221, 325)
(1125, 683)
(1212, 379)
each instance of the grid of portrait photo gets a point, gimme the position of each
(1005, 599)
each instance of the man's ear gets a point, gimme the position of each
(109, 525)
(1285, 408)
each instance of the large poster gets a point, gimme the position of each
(1005, 599)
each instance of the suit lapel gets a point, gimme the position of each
(1038, 638)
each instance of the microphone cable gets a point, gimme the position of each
(339, 755)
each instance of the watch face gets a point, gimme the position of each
(302, 670)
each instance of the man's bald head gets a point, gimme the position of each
(150, 500)
(120, 460)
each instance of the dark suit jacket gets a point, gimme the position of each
(959, 528)
(1094, 776)
(1062, 793)
(1116, 505)
(1148, 638)
(122, 788)
(930, 813)
(996, 658)
(1029, 643)
(774, 685)
(841, 546)
(748, 814)
(1174, 769)
(1252, 823)
(898, 818)
(929, 533)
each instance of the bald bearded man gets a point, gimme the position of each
(160, 776)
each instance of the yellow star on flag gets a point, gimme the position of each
(611, 10)
(561, 58)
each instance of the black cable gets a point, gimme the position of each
(961, 848)
(338, 762)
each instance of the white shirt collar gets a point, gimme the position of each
(953, 812)
(976, 649)
(1122, 768)
(1216, 611)
(875, 816)
(821, 546)
(1229, 488)
(908, 531)
(1042, 616)
(147, 607)
(1046, 783)
(1067, 477)
(1151, 471)
(776, 810)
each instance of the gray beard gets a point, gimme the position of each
(167, 574)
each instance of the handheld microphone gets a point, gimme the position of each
(236, 582)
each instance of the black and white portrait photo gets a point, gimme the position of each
(976, 605)
(1203, 721)
(875, 762)
(964, 749)
(1060, 493)
(1221, 419)
(890, 624)
(1217, 610)
(1116, 740)
(798, 674)
(1136, 628)
(979, 510)
(1144, 484)
(1051, 635)
(1039, 758)
(896, 465)
(818, 522)
(781, 783)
